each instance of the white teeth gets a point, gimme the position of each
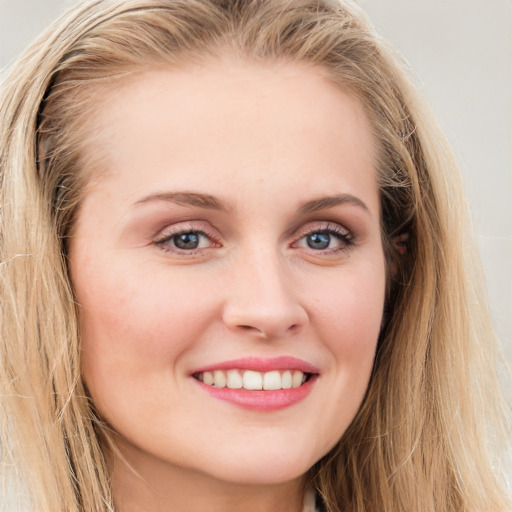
(219, 379)
(286, 380)
(234, 380)
(272, 380)
(251, 380)
(297, 379)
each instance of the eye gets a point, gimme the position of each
(318, 240)
(185, 241)
(190, 240)
(328, 238)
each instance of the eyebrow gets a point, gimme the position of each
(188, 199)
(324, 203)
(210, 202)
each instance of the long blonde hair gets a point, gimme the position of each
(422, 437)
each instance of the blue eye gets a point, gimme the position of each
(318, 240)
(331, 238)
(186, 241)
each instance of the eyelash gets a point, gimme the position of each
(344, 236)
(164, 242)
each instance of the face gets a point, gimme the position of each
(229, 268)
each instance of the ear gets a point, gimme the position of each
(400, 243)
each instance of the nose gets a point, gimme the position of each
(262, 300)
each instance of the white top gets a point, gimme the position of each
(309, 502)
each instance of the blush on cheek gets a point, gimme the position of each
(352, 314)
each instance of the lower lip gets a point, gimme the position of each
(261, 400)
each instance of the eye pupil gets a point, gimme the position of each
(319, 240)
(187, 240)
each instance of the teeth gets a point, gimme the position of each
(234, 380)
(272, 380)
(251, 380)
(286, 380)
(297, 379)
(219, 379)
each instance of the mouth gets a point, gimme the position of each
(251, 380)
(259, 384)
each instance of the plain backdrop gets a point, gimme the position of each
(460, 52)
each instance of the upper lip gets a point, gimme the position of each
(261, 365)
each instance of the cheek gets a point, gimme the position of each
(350, 309)
(349, 316)
(135, 326)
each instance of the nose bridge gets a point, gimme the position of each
(262, 296)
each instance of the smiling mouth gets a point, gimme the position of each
(252, 380)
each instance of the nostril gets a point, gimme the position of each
(254, 330)
(264, 333)
(294, 327)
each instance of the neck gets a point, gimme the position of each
(162, 487)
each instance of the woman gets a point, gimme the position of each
(235, 273)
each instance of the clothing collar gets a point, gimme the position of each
(310, 502)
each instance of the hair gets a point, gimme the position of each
(423, 437)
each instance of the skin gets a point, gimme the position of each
(263, 139)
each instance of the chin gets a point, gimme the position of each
(270, 470)
(266, 475)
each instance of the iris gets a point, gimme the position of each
(187, 240)
(319, 240)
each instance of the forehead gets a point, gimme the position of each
(216, 119)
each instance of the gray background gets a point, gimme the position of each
(461, 54)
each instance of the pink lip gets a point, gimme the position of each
(262, 400)
(261, 365)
